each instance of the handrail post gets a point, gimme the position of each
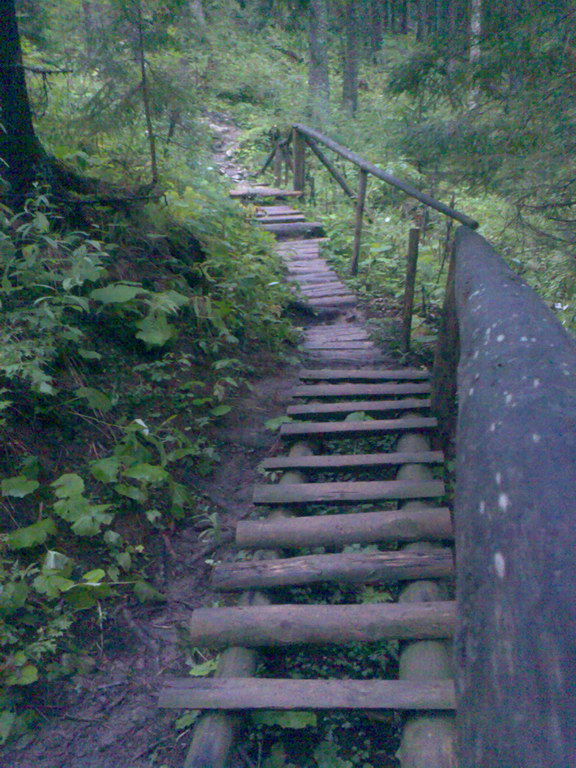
(278, 158)
(362, 186)
(412, 261)
(299, 149)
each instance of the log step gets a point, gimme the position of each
(360, 390)
(262, 191)
(346, 492)
(352, 406)
(348, 428)
(236, 693)
(326, 374)
(348, 567)
(352, 460)
(426, 524)
(279, 625)
(293, 229)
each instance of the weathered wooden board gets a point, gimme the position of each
(352, 406)
(262, 191)
(278, 625)
(427, 524)
(275, 209)
(346, 492)
(281, 694)
(336, 301)
(515, 519)
(352, 461)
(348, 567)
(290, 229)
(339, 345)
(347, 428)
(398, 374)
(360, 390)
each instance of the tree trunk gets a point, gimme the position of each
(20, 150)
(475, 34)
(350, 68)
(318, 76)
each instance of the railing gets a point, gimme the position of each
(303, 137)
(515, 512)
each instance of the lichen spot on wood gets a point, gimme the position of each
(503, 501)
(536, 437)
(536, 383)
(500, 337)
(471, 391)
(482, 507)
(500, 565)
(498, 478)
(508, 398)
(493, 427)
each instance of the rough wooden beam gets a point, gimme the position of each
(360, 390)
(346, 428)
(346, 492)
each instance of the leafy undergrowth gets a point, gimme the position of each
(117, 356)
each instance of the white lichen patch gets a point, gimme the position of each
(471, 391)
(500, 565)
(498, 478)
(536, 437)
(503, 501)
(493, 427)
(482, 507)
(500, 337)
(536, 383)
(508, 398)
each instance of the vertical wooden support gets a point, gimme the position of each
(445, 366)
(411, 263)
(362, 186)
(299, 150)
(278, 166)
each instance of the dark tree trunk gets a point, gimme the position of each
(351, 45)
(318, 77)
(20, 150)
(376, 24)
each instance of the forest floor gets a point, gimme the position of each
(108, 717)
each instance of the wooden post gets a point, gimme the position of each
(299, 150)
(278, 166)
(331, 168)
(362, 186)
(443, 399)
(412, 261)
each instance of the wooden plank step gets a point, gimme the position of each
(357, 427)
(278, 625)
(346, 492)
(280, 219)
(360, 390)
(237, 693)
(347, 567)
(426, 524)
(290, 229)
(400, 374)
(352, 461)
(338, 345)
(351, 406)
(272, 209)
(336, 301)
(262, 191)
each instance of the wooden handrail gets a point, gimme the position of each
(514, 516)
(369, 167)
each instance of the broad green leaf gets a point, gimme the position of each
(220, 410)
(276, 423)
(7, 719)
(83, 596)
(12, 597)
(68, 485)
(19, 486)
(146, 593)
(105, 470)
(32, 535)
(131, 492)
(117, 294)
(89, 354)
(57, 561)
(147, 473)
(326, 756)
(358, 416)
(51, 584)
(96, 575)
(90, 524)
(124, 560)
(187, 719)
(97, 400)
(23, 675)
(155, 329)
(205, 668)
(295, 720)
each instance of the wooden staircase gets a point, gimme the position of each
(344, 375)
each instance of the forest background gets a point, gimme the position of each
(135, 295)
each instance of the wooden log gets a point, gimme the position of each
(331, 168)
(360, 527)
(514, 508)
(346, 492)
(356, 427)
(368, 406)
(262, 191)
(294, 228)
(360, 390)
(349, 567)
(360, 205)
(279, 625)
(411, 263)
(363, 374)
(352, 460)
(282, 694)
(387, 177)
(429, 741)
